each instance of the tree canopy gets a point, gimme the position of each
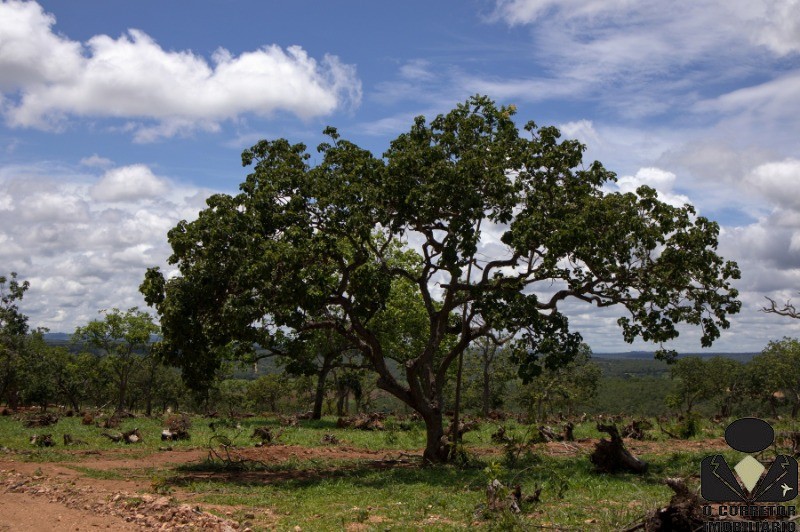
(123, 337)
(13, 334)
(488, 229)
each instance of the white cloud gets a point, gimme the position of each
(641, 58)
(661, 180)
(30, 53)
(417, 69)
(80, 254)
(780, 26)
(96, 161)
(133, 77)
(774, 99)
(779, 182)
(774, 24)
(128, 183)
(582, 130)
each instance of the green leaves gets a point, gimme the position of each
(12, 321)
(463, 229)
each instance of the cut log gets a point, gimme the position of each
(41, 420)
(116, 438)
(330, 439)
(69, 440)
(498, 497)
(42, 440)
(500, 436)
(567, 434)
(170, 435)
(373, 421)
(111, 422)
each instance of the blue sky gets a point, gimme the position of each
(119, 118)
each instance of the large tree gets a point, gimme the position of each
(505, 227)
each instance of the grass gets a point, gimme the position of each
(330, 498)
(98, 474)
(332, 494)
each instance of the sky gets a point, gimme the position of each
(118, 119)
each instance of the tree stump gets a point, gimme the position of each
(132, 436)
(636, 429)
(263, 433)
(568, 432)
(683, 512)
(611, 456)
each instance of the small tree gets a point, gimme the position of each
(488, 371)
(561, 387)
(123, 339)
(732, 383)
(37, 370)
(776, 371)
(76, 377)
(317, 354)
(13, 332)
(304, 248)
(696, 383)
(154, 383)
(272, 391)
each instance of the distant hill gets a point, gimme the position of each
(57, 337)
(649, 355)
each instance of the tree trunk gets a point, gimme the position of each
(487, 392)
(12, 395)
(454, 434)
(436, 446)
(319, 396)
(342, 404)
(123, 386)
(148, 401)
(423, 396)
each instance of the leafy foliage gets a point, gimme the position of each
(13, 333)
(775, 369)
(561, 388)
(123, 338)
(305, 248)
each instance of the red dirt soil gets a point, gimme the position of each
(64, 496)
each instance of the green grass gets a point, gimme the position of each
(99, 474)
(332, 494)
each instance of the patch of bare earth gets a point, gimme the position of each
(68, 496)
(49, 496)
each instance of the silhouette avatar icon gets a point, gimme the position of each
(749, 481)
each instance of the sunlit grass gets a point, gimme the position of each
(318, 493)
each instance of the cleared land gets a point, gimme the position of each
(369, 480)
